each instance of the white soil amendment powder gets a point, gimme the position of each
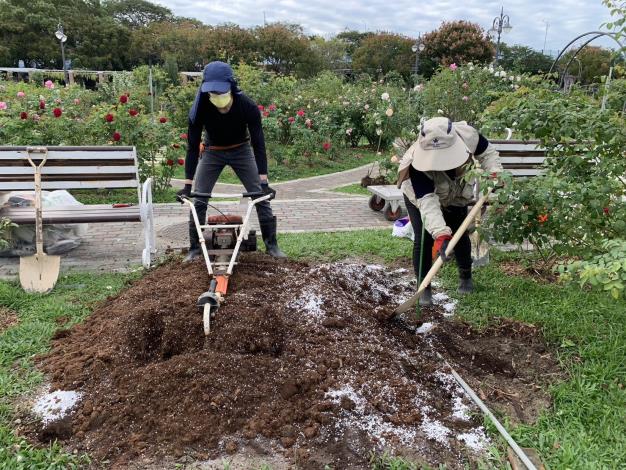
(52, 406)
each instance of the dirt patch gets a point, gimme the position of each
(538, 273)
(8, 319)
(296, 365)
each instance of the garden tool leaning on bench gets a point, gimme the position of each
(39, 272)
(226, 236)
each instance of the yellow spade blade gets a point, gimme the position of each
(39, 273)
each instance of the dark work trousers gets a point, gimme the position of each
(454, 217)
(241, 160)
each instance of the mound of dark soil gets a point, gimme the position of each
(296, 362)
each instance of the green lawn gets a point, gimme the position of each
(355, 188)
(346, 160)
(586, 427)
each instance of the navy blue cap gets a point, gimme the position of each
(217, 78)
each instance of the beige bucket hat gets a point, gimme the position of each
(439, 146)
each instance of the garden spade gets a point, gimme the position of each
(410, 303)
(39, 272)
(480, 248)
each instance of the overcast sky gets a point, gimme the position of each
(566, 18)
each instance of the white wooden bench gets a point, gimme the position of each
(73, 168)
(523, 159)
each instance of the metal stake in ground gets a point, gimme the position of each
(518, 451)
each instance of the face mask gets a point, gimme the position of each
(220, 101)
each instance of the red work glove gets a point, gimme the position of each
(440, 246)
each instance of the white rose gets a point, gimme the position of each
(440, 111)
(367, 106)
(384, 96)
(378, 122)
(379, 132)
(519, 79)
(389, 112)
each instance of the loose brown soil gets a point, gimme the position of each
(540, 273)
(296, 364)
(8, 319)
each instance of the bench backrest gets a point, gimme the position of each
(70, 168)
(520, 158)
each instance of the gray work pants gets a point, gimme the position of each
(241, 160)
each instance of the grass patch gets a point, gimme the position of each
(347, 159)
(370, 245)
(120, 196)
(586, 427)
(355, 188)
(126, 196)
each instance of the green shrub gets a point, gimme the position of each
(579, 204)
(606, 271)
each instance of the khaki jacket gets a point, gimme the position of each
(448, 191)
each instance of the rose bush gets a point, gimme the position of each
(463, 92)
(580, 203)
(49, 115)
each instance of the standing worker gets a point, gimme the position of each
(234, 137)
(436, 194)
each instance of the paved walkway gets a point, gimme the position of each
(318, 187)
(306, 205)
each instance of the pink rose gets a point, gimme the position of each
(21, 94)
(49, 85)
(453, 67)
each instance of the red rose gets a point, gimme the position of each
(300, 112)
(261, 107)
(123, 99)
(109, 117)
(181, 161)
(542, 218)
(133, 112)
(23, 115)
(57, 112)
(117, 136)
(272, 107)
(170, 162)
(606, 211)
(291, 119)
(163, 120)
(176, 146)
(326, 146)
(42, 104)
(266, 114)
(183, 136)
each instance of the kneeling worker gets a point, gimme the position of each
(431, 176)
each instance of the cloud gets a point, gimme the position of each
(567, 18)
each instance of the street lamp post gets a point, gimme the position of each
(60, 35)
(417, 48)
(500, 25)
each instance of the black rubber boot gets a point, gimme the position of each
(268, 232)
(426, 297)
(194, 244)
(466, 285)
